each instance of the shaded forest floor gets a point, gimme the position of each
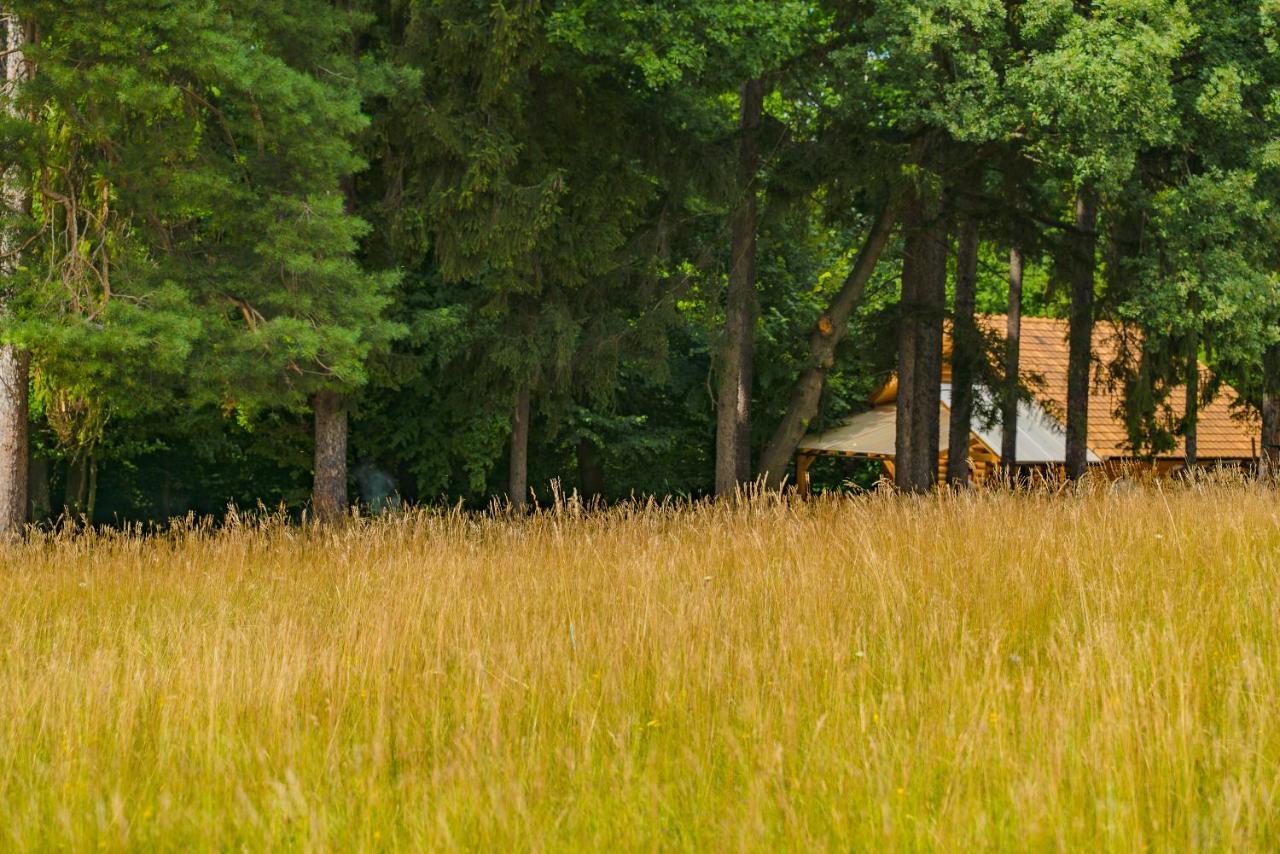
(990, 670)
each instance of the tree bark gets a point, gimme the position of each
(590, 470)
(1083, 245)
(908, 352)
(964, 353)
(14, 441)
(39, 499)
(829, 332)
(518, 475)
(329, 490)
(14, 362)
(1191, 417)
(91, 493)
(733, 407)
(924, 294)
(1013, 352)
(1269, 452)
(76, 492)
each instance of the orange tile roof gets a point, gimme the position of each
(1220, 432)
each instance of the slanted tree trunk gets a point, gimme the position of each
(1083, 245)
(924, 295)
(329, 490)
(965, 346)
(14, 362)
(1192, 416)
(518, 475)
(1269, 452)
(1013, 347)
(829, 332)
(733, 403)
(590, 470)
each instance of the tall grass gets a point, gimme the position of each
(984, 671)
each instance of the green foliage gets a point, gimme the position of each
(185, 168)
(428, 205)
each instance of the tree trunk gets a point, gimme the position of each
(1080, 341)
(518, 480)
(76, 493)
(1269, 452)
(1192, 416)
(828, 334)
(924, 295)
(964, 353)
(590, 470)
(329, 490)
(733, 406)
(14, 445)
(38, 489)
(14, 363)
(91, 493)
(908, 352)
(1013, 335)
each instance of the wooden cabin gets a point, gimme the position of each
(1225, 432)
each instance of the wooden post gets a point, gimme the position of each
(803, 485)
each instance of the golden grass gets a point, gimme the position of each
(985, 671)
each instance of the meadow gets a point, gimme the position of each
(1083, 670)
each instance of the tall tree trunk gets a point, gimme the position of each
(14, 363)
(38, 489)
(924, 294)
(91, 493)
(14, 441)
(1083, 245)
(829, 332)
(733, 405)
(1269, 452)
(518, 475)
(76, 492)
(964, 353)
(590, 470)
(1013, 352)
(908, 351)
(1192, 417)
(329, 490)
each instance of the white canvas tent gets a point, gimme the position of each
(1041, 438)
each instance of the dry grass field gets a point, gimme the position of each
(1079, 671)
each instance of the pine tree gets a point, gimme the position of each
(197, 240)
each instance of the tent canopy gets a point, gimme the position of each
(1041, 439)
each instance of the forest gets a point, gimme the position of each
(407, 410)
(306, 253)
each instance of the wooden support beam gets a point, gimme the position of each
(803, 461)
